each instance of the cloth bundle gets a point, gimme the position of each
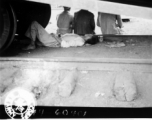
(73, 40)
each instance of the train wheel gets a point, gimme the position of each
(8, 26)
(16, 16)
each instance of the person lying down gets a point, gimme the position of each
(35, 30)
(74, 40)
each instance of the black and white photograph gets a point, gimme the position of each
(75, 59)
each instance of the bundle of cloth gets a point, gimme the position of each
(71, 40)
(74, 40)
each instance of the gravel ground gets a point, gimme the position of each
(135, 48)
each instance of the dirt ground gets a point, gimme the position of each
(95, 82)
(135, 48)
(94, 88)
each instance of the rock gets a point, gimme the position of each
(37, 92)
(84, 72)
(67, 85)
(97, 94)
(125, 87)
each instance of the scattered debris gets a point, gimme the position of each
(115, 44)
(97, 94)
(87, 44)
(84, 72)
(131, 40)
(37, 92)
(102, 94)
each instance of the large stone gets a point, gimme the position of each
(67, 85)
(125, 87)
